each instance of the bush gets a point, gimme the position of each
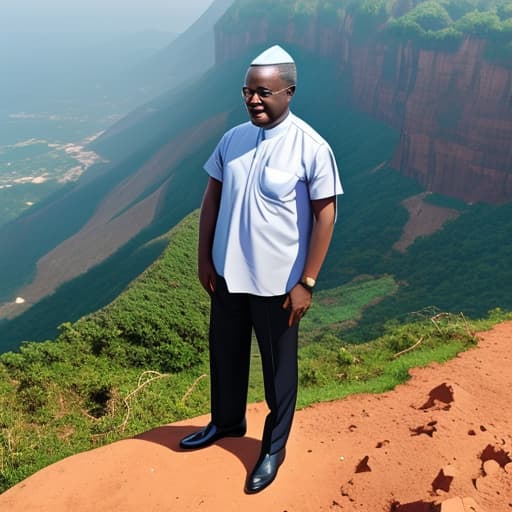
(479, 24)
(160, 321)
(430, 15)
(405, 28)
(344, 357)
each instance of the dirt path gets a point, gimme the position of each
(441, 442)
(424, 220)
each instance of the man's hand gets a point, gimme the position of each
(207, 276)
(298, 302)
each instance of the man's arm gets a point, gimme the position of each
(299, 299)
(207, 221)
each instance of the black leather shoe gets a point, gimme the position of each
(211, 433)
(264, 472)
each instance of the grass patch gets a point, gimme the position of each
(377, 373)
(333, 370)
(344, 305)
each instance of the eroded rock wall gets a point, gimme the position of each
(453, 109)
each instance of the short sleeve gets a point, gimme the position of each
(323, 176)
(214, 166)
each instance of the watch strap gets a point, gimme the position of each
(306, 286)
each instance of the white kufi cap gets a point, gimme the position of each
(272, 56)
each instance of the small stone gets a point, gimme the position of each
(491, 467)
(453, 505)
(344, 491)
(508, 468)
(450, 470)
(480, 483)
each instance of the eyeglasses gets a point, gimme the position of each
(262, 92)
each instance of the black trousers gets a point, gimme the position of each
(232, 318)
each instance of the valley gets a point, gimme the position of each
(32, 169)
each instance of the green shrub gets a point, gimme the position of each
(311, 373)
(430, 15)
(344, 357)
(480, 24)
(405, 28)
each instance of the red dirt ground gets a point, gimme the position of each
(440, 442)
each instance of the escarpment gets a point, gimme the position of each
(453, 108)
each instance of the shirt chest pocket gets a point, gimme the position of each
(278, 185)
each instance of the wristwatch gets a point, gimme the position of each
(308, 283)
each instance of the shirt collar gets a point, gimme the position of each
(280, 128)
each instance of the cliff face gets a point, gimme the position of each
(454, 113)
(453, 109)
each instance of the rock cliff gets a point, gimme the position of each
(452, 108)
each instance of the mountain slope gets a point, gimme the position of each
(106, 194)
(154, 178)
(125, 211)
(186, 57)
(167, 182)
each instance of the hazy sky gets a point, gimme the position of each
(98, 16)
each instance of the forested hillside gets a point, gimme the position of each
(432, 23)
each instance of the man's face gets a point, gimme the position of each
(267, 112)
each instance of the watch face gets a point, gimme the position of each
(309, 281)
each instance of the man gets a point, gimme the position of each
(266, 222)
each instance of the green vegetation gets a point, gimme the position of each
(29, 172)
(141, 361)
(14, 199)
(439, 24)
(154, 322)
(244, 12)
(436, 272)
(344, 305)
(444, 23)
(67, 395)
(331, 369)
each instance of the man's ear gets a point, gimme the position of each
(291, 90)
